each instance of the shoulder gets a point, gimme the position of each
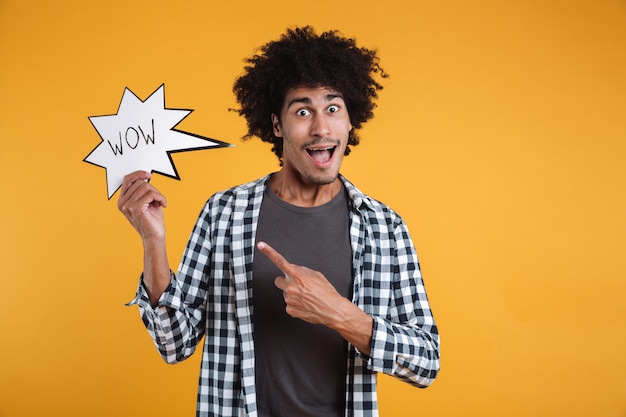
(369, 207)
(244, 192)
(224, 207)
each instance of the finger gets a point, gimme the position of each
(130, 193)
(278, 259)
(151, 197)
(146, 195)
(280, 283)
(140, 196)
(130, 186)
(133, 177)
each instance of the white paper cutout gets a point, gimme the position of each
(141, 136)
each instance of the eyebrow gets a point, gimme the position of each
(307, 100)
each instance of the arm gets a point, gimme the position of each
(398, 337)
(142, 204)
(175, 324)
(405, 339)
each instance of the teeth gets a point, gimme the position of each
(321, 154)
(322, 149)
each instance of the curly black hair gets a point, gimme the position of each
(302, 58)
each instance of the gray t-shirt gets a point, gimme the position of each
(300, 367)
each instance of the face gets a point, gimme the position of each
(314, 124)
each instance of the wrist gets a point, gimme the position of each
(355, 326)
(153, 243)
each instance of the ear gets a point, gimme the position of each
(276, 126)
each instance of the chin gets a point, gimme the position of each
(322, 179)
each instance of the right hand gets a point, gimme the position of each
(142, 204)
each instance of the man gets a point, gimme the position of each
(303, 287)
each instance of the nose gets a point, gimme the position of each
(320, 126)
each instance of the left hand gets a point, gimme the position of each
(311, 297)
(308, 294)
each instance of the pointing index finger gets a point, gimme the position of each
(278, 259)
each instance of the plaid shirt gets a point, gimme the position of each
(211, 296)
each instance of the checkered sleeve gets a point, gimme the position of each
(405, 339)
(177, 323)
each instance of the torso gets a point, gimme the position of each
(300, 367)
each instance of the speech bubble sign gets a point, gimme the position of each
(141, 136)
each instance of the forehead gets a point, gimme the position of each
(304, 94)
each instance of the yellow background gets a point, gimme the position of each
(500, 137)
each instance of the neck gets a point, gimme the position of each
(299, 192)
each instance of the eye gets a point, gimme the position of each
(333, 108)
(303, 112)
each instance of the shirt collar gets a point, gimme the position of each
(357, 197)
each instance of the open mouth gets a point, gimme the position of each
(321, 155)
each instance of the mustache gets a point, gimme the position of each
(321, 141)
